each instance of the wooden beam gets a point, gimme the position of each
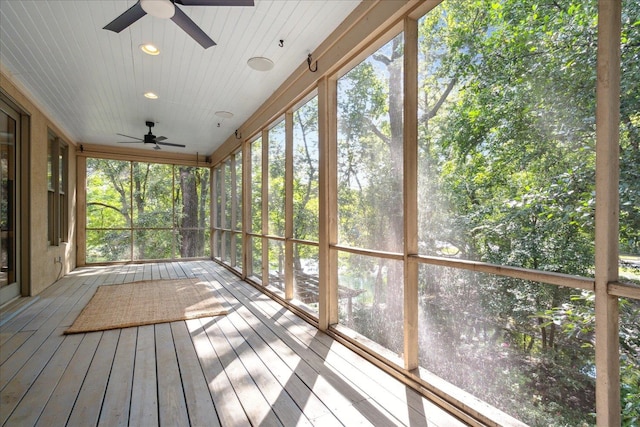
(265, 207)
(234, 209)
(223, 215)
(215, 235)
(607, 212)
(410, 189)
(140, 155)
(550, 277)
(289, 278)
(81, 211)
(247, 265)
(626, 290)
(328, 203)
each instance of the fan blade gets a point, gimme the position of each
(215, 2)
(132, 137)
(170, 143)
(192, 29)
(161, 138)
(129, 142)
(134, 13)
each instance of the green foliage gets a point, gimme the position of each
(506, 176)
(256, 186)
(129, 200)
(305, 172)
(370, 151)
(276, 187)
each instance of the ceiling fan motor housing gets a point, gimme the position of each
(149, 138)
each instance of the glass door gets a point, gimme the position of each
(9, 128)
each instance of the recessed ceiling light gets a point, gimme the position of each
(260, 63)
(150, 49)
(224, 114)
(151, 95)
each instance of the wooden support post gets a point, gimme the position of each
(328, 204)
(234, 210)
(81, 216)
(247, 265)
(215, 235)
(265, 207)
(410, 206)
(223, 215)
(289, 279)
(607, 213)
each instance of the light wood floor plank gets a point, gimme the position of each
(18, 383)
(200, 406)
(276, 396)
(255, 406)
(267, 348)
(45, 306)
(171, 270)
(144, 392)
(60, 307)
(342, 384)
(117, 399)
(162, 270)
(404, 403)
(155, 272)
(171, 401)
(332, 386)
(12, 344)
(307, 363)
(401, 401)
(30, 407)
(228, 406)
(130, 274)
(58, 408)
(139, 273)
(86, 410)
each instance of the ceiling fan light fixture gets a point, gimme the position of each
(164, 9)
(260, 63)
(150, 95)
(150, 49)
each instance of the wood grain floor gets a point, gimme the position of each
(258, 365)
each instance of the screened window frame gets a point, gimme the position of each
(132, 227)
(221, 232)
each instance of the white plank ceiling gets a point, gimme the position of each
(91, 81)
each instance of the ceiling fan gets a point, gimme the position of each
(149, 138)
(168, 9)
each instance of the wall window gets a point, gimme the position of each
(227, 227)
(276, 197)
(146, 211)
(305, 203)
(283, 229)
(57, 202)
(254, 269)
(370, 175)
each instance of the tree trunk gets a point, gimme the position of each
(189, 218)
